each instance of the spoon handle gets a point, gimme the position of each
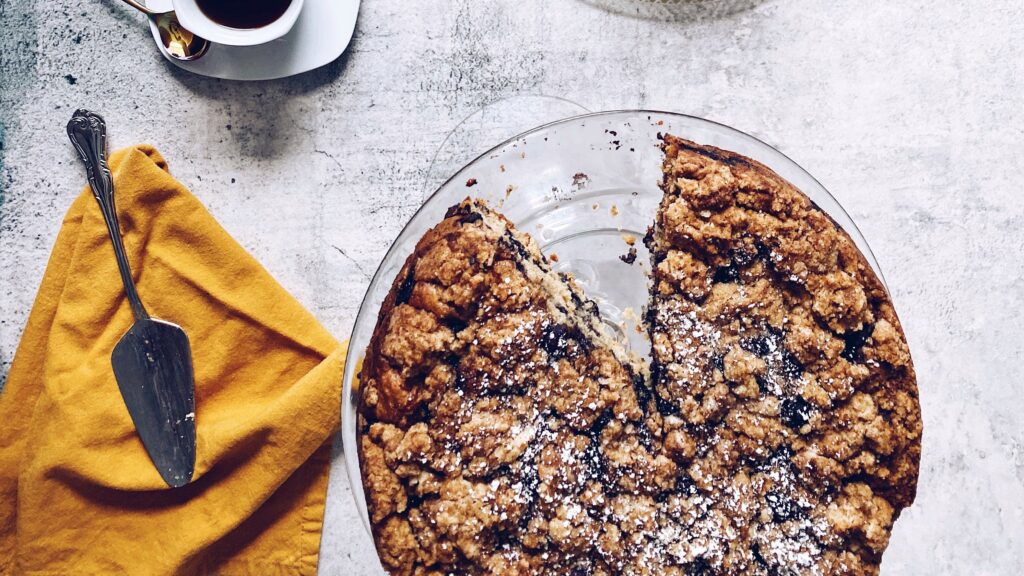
(139, 7)
(88, 132)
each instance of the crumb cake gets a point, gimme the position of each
(497, 419)
(776, 431)
(781, 373)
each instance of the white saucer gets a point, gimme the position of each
(320, 35)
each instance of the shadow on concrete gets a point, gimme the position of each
(216, 88)
(674, 10)
(260, 112)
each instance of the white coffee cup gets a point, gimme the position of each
(194, 20)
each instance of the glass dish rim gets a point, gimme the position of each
(353, 360)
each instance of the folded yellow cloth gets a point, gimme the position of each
(78, 493)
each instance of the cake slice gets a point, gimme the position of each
(781, 371)
(489, 392)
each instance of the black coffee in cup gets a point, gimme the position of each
(243, 14)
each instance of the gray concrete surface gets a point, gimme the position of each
(910, 112)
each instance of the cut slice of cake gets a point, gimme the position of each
(781, 372)
(498, 421)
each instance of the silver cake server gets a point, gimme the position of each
(152, 362)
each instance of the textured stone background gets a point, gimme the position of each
(911, 113)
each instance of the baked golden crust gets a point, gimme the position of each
(777, 349)
(486, 388)
(778, 433)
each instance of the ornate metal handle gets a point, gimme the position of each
(88, 132)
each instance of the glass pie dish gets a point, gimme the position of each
(586, 188)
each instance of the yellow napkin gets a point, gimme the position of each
(78, 494)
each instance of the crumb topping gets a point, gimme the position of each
(777, 349)
(778, 431)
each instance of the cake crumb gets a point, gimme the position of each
(580, 180)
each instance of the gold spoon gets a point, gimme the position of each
(179, 43)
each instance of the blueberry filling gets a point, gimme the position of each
(758, 345)
(405, 290)
(699, 567)
(782, 506)
(796, 412)
(726, 274)
(743, 258)
(556, 340)
(855, 341)
(471, 218)
(455, 324)
(791, 367)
